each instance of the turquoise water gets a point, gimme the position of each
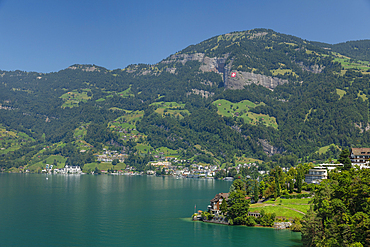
(87, 210)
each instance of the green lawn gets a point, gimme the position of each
(341, 93)
(142, 148)
(280, 211)
(126, 93)
(12, 140)
(167, 151)
(241, 109)
(48, 160)
(242, 160)
(282, 72)
(283, 207)
(362, 95)
(347, 63)
(171, 108)
(324, 149)
(103, 166)
(73, 98)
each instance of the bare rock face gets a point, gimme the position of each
(242, 79)
(183, 58)
(204, 94)
(313, 68)
(362, 128)
(214, 64)
(269, 149)
(218, 65)
(209, 64)
(86, 68)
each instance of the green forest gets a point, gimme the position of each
(184, 104)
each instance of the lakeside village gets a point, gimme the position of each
(280, 200)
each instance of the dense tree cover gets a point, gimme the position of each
(309, 110)
(139, 161)
(99, 134)
(340, 212)
(237, 204)
(359, 50)
(203, 127)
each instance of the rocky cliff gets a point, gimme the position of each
(241, 79)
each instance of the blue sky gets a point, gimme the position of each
(48, 36)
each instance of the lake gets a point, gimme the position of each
(106, 210)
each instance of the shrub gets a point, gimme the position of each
(296, 227)
(250, 221)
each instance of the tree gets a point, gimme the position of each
(255, 194)
(238, 184)
(97, 171)
(299, 181)
(262, 187)
(291, 185)
(340, 211)
(223, 207)
(238, 207)
(345, 160)
(115, 162)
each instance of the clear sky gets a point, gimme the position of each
(50, 35)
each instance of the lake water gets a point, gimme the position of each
(103, 210)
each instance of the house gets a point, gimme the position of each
(360, 157)
(315, 175)
(69, 170)
(216, 202)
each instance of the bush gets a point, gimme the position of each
(250, 221)
(207, 216)
(267, 219)
(296, 227)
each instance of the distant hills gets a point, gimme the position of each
(237, 97)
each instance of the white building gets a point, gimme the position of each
(315, 175)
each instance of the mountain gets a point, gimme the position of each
(238, 97)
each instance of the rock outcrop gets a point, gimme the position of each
(242, 79)
(204, 94)
(313, 68)
(219, 65)
(209, 64)
(269, 149)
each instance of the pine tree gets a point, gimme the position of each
(255, 194)
(299, 181)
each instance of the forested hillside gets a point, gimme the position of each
(253, 94)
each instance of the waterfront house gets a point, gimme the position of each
(216, 202)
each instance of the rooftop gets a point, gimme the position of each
(360, 151)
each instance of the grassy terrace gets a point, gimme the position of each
(347, 63)
(288, 208)
(171, 108)
(72, 99)
(125, 125)
(12, 140)
(241, 109)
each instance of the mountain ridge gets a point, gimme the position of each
(300, 97)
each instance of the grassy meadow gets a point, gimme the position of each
(288, 208)
(241, 110)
